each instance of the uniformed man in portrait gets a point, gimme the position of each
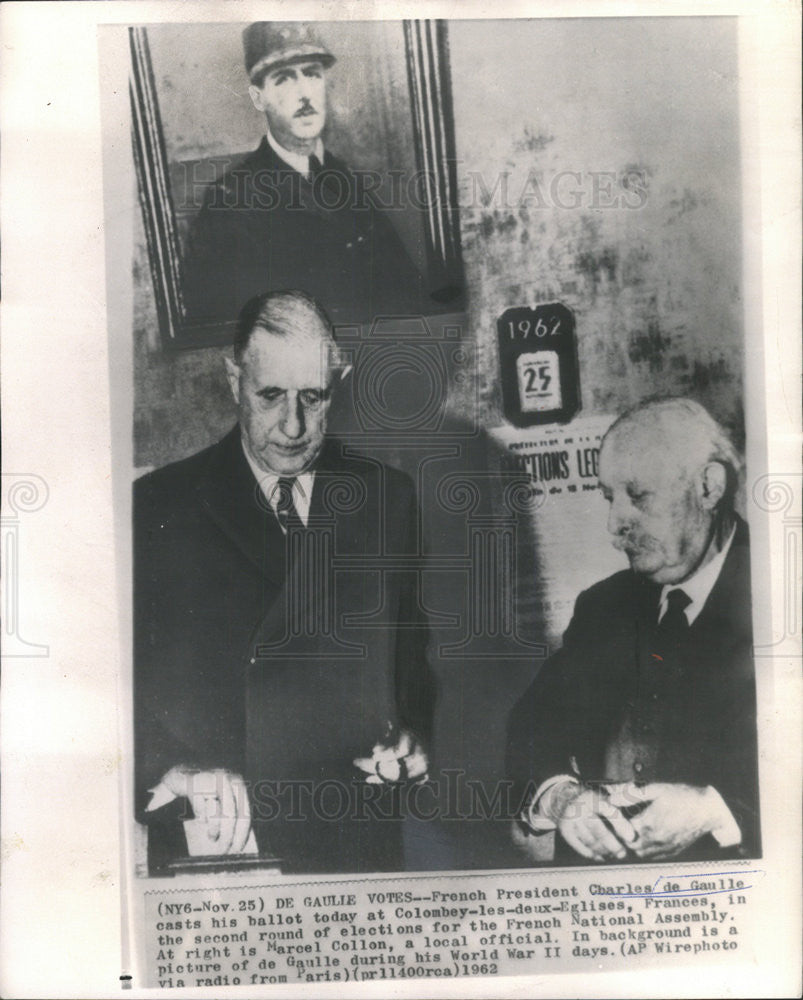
(291, 214)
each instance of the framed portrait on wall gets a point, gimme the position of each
(287, 155)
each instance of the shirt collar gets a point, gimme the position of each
(302, 487)
(700, 584)
(298, 161)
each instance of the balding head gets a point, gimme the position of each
(680, 428)
(284, 314)
(281, 380)
(669, 472)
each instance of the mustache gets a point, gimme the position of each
(624, 541)
(306, 109)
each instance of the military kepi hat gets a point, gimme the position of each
(271, 44)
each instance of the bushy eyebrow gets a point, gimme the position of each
(635, 487)
(268, 390)
(632, 488)
(285, 73)
(290, 72)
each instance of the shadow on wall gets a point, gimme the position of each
(413, 403)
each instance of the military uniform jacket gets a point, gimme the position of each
(263, 227)
(697, 726)
(282, 667)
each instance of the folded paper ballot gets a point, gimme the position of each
(196, 832)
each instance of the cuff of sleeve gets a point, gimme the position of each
(538, 814)
(161, 796)
(726, 832)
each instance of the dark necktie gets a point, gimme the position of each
(315, 167)
(674, 622)
(672, 628)
(286, 512)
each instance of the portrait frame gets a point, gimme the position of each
(426, 56)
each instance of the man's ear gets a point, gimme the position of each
(233, 376)
(713, 483)
(256, 97)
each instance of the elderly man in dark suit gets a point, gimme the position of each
(637, 740)
(292, 215)
(277, 650)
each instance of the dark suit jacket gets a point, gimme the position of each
(263, 227)
(282, 673)
(567, 719)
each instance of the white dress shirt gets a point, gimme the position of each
(298, 161)
(302, 488)
(699, 585)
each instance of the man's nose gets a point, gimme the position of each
(618, 516)
(305, 89)
(292, 422)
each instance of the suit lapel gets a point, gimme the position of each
(294, 190)
(230, 495)
(297, 190)
(646, 597)
(726, 611)
(347, 490)
(730, 596)
(726, 616)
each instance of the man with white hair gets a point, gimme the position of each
(637, 740)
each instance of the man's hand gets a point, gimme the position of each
(399, 756)
(219, 801)
(675, 817)
(590, 822)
